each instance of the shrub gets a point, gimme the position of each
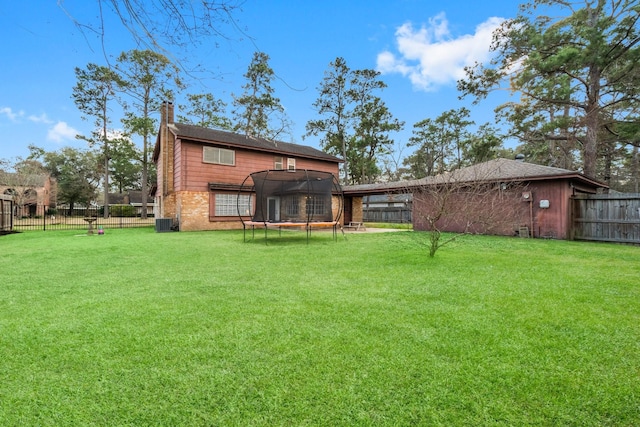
(122, 210)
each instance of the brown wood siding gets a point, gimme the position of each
(551, 222)
(177, 166)
(498, 212)
(160, 191)
(198, 174)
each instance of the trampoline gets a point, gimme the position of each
(290, 199)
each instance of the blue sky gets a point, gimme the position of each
(419, 46)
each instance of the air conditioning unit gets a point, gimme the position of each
(163, 225)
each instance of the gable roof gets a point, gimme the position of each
(117, 199)
(491, 171)
(135, 197)
(506, 169)
(230, 139)
(12, 179)
(132, 197)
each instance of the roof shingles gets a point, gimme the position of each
(493, 170)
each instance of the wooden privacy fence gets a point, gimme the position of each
(386, 214)
(606, 217)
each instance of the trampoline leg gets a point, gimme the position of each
(342, 230)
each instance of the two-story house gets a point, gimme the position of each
(201, 171)
(33, 194)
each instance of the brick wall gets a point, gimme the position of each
(337, 208)
(193, 210)
(356, 209)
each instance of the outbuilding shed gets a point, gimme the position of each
(544, 195)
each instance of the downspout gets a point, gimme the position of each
(531, 215)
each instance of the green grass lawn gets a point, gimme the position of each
(141, 328)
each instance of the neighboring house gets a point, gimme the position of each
(117, 199)
(201, 171)
(542, 204)
(32, 194)
(132, 198)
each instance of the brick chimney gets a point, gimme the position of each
(166, 113)
(165, 172)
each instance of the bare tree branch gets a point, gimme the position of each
(169, 27)
(465, 201)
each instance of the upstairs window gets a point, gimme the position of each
(278, 163)
(219, 156)
(291, 164)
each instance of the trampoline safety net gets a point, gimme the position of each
(295, 196)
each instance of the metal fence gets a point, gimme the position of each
(606, 218)
(81, 218)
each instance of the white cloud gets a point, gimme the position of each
(42, 118)
(61, 131)
(13, 116)
(431, 57)
(16, 116)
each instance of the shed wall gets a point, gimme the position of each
(497, 212)
(550, 222)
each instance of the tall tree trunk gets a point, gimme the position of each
(592, 123)
(635, 173)
(145, 167)
(106, 168)
(345, 165)
(145, 189)
(607, 157)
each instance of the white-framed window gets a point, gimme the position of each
(292, 205)
(316, 206)
(228, 204)
(219, 156)
(278, 163)
(291, 164)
